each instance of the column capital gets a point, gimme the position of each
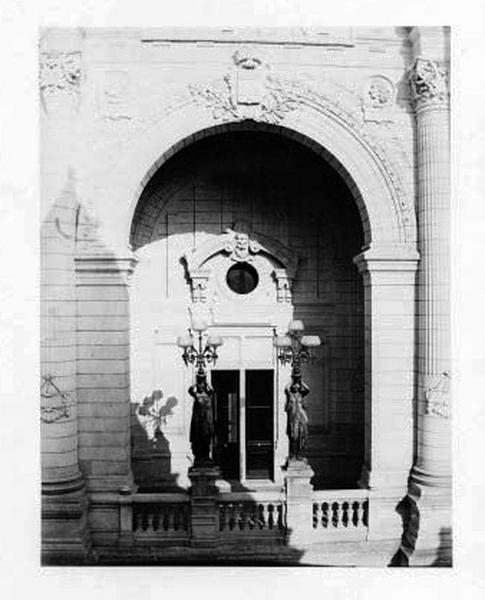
(98, 268)
(428, 83)
(390, 259)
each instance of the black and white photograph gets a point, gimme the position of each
(245, 303)
(249, 327)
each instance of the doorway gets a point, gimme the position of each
(244, 423)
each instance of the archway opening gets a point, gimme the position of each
(278, 189)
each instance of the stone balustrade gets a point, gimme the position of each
(337, 513)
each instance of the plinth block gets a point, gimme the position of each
(204, 518)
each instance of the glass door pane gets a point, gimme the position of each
(226, 416)
(259, 424)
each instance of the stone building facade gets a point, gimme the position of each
(249, 178)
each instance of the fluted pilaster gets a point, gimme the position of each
(430, 94)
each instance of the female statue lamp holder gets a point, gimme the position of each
(295, 348)
(201, 351)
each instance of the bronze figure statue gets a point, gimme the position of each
(297, 425)
(202, 423)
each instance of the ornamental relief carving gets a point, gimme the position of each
(281, 97)
(240, 246)
(378, 99)
(429, 83)
(60, 73)
(55, 405)
(437, 396)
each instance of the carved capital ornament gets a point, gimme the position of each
(429, 84)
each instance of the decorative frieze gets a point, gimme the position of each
(429, 84)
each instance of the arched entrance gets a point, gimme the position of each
(304, 229)
(387, 264)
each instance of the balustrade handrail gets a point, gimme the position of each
(257, 496)
(340, 495)
(161, 498)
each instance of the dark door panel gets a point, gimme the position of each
(259, 424)
(226, 415)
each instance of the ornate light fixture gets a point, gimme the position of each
(205, 352)
(294, 347)
(201, 353)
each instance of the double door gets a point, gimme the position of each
(244, 423)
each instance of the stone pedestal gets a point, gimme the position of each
(299, 493)
(204, 521)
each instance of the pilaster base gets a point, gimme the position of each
(433, 517)
(204, 517)
(65, 534)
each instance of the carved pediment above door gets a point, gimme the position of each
(239, 244)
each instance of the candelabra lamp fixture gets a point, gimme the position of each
(201, 351)
(295, 348)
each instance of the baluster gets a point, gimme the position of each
(156, 517)
(335, 514)
(317, 513)
(176, 517)
(355, 513)
(252, 515)
(165, 517)
(260, 516)
(136, 515)
(185, 517)
(365, 512)
(144, 518)
(345, 514)
(325, 514)
(232, 516)
(270, 516)
(171, 517)
(266, 516)
(281, 518)
(222, 517)
(242, 517)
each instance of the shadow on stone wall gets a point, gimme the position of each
(151, 455)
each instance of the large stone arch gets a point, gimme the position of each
(388, 262)
(329, 129)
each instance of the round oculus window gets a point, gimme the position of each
(242, 278)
